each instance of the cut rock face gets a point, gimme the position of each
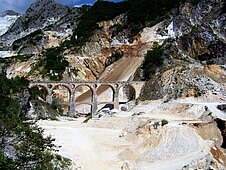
(222, 126)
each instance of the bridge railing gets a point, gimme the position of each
(86, 82)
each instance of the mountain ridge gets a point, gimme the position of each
(7, 18)
(9, 12)
(39, 15)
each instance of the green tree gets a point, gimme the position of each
(28, 148)
(55, 62)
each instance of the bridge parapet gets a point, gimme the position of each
(87, 82)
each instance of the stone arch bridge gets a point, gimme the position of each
(49, 86)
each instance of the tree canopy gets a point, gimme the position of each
(22, 145)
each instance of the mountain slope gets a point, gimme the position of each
(39, 15)
(7, 18)
(189, 57)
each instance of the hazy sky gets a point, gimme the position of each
(22, 5)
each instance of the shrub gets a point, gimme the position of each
(115, 57)
(56, 106)
(24, 57)
(164, 122)
(198, 93)
(156, 125)
(35, 93)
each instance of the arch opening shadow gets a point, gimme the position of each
(126, 93)
(39, 91)
(105, 95)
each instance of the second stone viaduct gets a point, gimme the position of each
(49, 86)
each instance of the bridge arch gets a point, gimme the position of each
(63, 85)
(63, 94)
(102, 90)
(83, 92)
(86, 93)
(45, 90)
(43, 87)
(127, 92)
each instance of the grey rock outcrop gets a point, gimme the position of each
(39, 15)
(200, 40)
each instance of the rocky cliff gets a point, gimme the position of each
(6, 19)
(197, 44)
(192, 40)
(43, 14)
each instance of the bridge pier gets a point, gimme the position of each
(116, 99)
(94, 104)
(72, 106)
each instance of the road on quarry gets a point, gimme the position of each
(90, 148)
(212, 107)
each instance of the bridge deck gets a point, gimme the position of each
(85, 82)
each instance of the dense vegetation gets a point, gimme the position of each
(52, 64)
(115, 57)
(55, 62)
(140, 14)
(100, 11)
(22, 145)
(31, 38)
(153, 60)
(148, 12)
(51, 111)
